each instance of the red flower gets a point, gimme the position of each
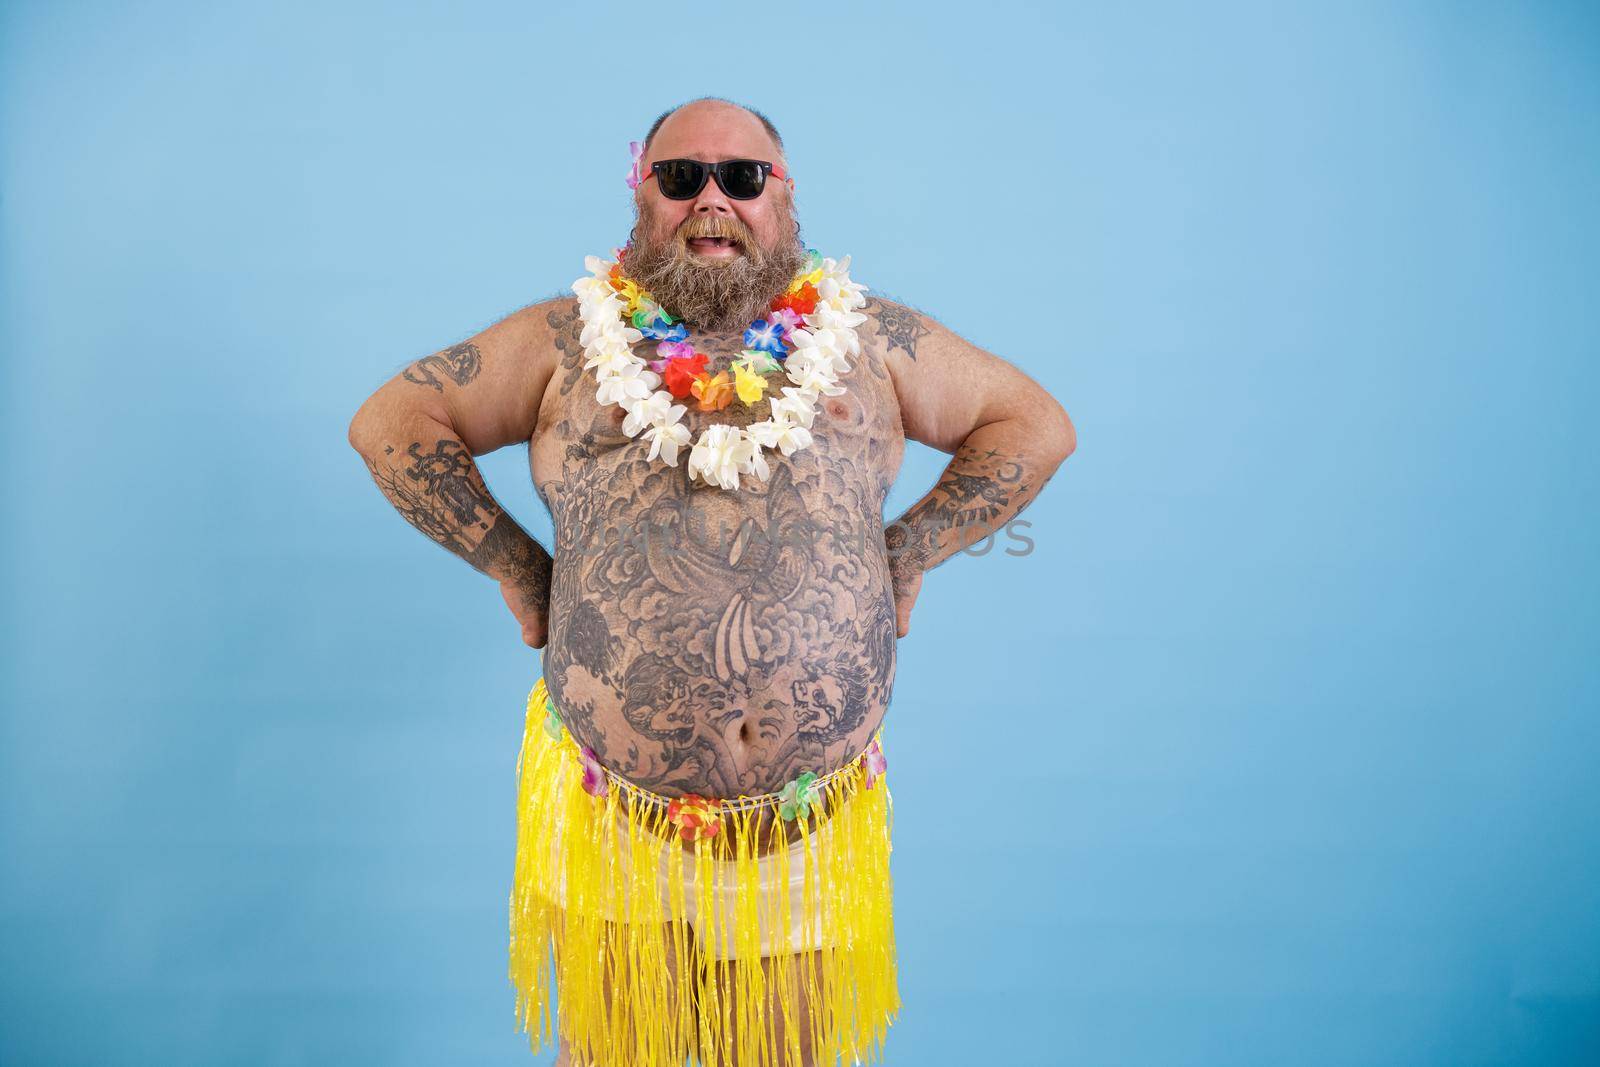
(680, 373)
(802, 303)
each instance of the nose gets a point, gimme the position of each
(712, 200)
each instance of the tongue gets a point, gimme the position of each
(709, 242)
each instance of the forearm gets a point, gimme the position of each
(995, 473)
(430, 477)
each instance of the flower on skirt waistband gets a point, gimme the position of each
(552, 721)
(595, 782)
(872, 759)
(797, 797)
(695, 816)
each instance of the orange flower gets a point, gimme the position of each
(714, 394)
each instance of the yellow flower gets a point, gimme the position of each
(806, 279)
(629, 292)
(748, 384)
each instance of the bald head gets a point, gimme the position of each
(714, 114)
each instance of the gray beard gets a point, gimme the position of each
(711, 294)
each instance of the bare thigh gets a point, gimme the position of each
(567, 1057)
(789, 1038)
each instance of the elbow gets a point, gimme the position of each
(385, 416)
(1062, 435)
(363, 433)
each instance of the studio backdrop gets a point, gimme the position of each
(1275, 744)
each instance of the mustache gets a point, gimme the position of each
(716, 226)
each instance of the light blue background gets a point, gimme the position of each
(1281, 748)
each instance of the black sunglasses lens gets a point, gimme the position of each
(680, 178)
(742, 179)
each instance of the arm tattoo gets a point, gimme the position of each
(900, 326)
(460, 364)
(441, 492)
(980, 490)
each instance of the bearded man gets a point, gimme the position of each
(714, 424)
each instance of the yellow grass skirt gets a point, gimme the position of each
(584, 858)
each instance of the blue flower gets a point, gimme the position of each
(654, 330)
(764, 336)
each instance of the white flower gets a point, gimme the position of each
(811, 378)
(841, 323)
(659, 417)
(756, 464)
(612, 360)
(836, 288)
(620, 388)
(787, 437)
(665, 440)
(794, 407)
(824, 348)
(657, 409)
(720, 454)
(590, 290)
(606, 328)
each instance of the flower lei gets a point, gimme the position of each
(808, 333)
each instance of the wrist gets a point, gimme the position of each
(904, 570)
(529, 571)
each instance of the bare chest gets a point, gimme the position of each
(857, 436)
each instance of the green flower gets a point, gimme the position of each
(758, 362)
(798, 796)
(552, 722)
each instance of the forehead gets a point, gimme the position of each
(712, 132)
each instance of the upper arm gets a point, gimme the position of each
(947, 386)
(488, 388)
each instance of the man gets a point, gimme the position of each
(702, 834)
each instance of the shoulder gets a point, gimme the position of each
(891, 339)
(512, 361)
(545, 322)
(898, 327)
(945, 385)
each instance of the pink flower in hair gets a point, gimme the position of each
(636, 168)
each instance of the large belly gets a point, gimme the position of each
(720, 643)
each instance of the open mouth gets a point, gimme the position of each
(713, 246)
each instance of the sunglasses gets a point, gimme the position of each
(741, 179)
